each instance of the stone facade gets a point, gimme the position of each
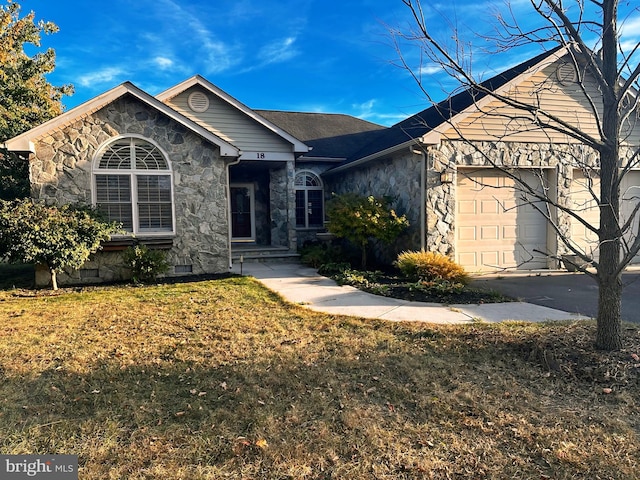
(399, 177)
(61, 172)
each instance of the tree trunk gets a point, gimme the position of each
(609, 336)
(54, 279)
(364, 255)
(609, 333)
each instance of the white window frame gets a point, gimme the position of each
(306, 190)
(133, 173)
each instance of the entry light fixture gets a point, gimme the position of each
(446, 176)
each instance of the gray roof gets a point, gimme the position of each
(349, 139)
(331, 135)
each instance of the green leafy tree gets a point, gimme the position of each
(358, 219)
(27, 99)
(57, 237)
(14, 176)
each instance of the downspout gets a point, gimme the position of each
(228, 188)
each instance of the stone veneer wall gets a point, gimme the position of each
(282, 197)
(398, 178)
(61, 171)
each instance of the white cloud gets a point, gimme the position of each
(163, 63)
(430, 69)
(279, 51)
(364, 109)
(99, 77)
(216, 55)
(630, 30)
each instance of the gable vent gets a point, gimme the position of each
(198, 102)
(566, 74)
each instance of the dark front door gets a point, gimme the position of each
(242, 212)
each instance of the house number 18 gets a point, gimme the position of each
(260, 155)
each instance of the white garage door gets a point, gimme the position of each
(495, 227)
(584, 204)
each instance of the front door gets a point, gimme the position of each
(242, 212)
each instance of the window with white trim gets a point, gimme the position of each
(132, 185)
(309, 200)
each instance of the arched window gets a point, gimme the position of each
(309, 200)
(132, 185)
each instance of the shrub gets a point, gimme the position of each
(358, 219)
(57, 237)
(431, 266)
(145, 264)
(333, 268)
(317, 254)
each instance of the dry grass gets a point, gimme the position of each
(221, 379)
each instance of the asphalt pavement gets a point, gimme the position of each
(570, 292)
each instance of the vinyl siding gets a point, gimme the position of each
(497, 121)
(231, 125)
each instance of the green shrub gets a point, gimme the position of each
(333, 268)
(431, 267)
(145, 264)
(318, 254)
(57, 237)
(359, 219)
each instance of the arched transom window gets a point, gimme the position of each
(309, 200)
(132, 185)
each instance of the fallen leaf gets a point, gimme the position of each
(223, 385)
(179, 414)
(635, 357)
(262, 443)
(606, 391)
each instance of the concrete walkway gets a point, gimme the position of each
(303, 286)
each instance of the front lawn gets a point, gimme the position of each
(221, 379)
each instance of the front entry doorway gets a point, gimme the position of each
(243, 225)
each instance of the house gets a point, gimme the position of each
(196, 172)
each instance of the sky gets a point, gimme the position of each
(330, 56)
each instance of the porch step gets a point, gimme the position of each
(263, 254)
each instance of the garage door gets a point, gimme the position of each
(584, 204)
(495, 228)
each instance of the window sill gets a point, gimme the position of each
(120, 243)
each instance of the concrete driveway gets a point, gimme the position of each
(571, 292)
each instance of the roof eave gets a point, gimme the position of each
(25, 139)
(369, 158)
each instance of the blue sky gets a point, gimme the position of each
(334, 56)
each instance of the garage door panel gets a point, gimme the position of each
(510, 232)
(490, 258)
(489, 232)
(467, 207)
(468, 258)
(467, 233)
(489, 206)
(586, 206)
(508, 228)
